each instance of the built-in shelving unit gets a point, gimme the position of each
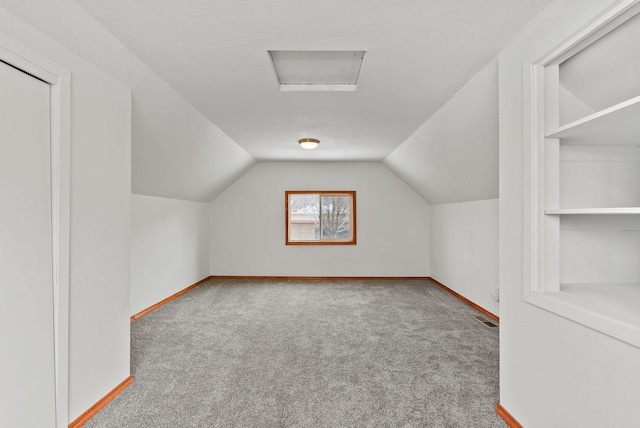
(587, 180)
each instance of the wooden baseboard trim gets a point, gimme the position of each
(167, 300)
(84, 418)
(467, 301)
(510, 420)
(335, 278)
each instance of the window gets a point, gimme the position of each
(320, 217)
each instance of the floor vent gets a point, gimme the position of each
(485, 321)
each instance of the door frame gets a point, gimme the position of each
(59, 80)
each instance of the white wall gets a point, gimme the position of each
(464, 249)
(248, 224)
(453, 156)
(553, 372)
(169, 248)
(100, 217)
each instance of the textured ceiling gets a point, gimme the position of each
(206, 100)
(215, 54)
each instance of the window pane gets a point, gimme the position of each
(304, 217)
(320, 217)
(336, 217)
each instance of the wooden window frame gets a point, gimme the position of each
(352, 221)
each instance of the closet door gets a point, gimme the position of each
(27, 366)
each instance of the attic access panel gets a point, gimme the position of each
(317, 70)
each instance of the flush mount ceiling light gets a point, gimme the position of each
(317, 70)
(309, 143)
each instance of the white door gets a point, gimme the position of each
(27, 367)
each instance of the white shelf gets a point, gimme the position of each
(620, 302)
(613, 309)
(595, 211)
(618, 125)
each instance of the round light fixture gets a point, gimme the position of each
(309, 143)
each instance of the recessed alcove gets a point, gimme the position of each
(587, 179)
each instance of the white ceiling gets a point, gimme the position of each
(215, 54)
(453, 156)
(202, 79)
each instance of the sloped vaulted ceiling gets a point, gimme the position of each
(176, 151)
(206, 100)
(453, 156)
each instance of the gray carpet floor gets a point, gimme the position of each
(370, 353)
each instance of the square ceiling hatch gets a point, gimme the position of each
(317, 70)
